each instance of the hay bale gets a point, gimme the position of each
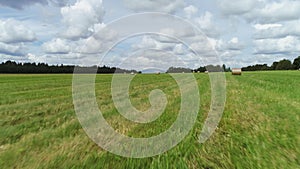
(236, 71)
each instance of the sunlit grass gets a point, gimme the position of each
(259, 128)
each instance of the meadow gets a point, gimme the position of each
(259, 128)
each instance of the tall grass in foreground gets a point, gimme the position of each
(259, 128)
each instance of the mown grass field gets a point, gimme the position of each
(259, 129)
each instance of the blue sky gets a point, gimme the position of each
(241, 32)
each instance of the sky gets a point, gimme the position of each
(89, 32)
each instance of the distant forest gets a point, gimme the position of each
(281, 65)
(41, 68)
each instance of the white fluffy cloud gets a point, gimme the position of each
(276, 11)
(274, 34)
(179, 49)
(266, 26)
(34, 58)
(81, 18)
(100, 42)
(183, 33)
(14, 50)
(151, 58)
(147, 43)
(228, 7)
(57, 46)
(13, 35)
(232, 45)
(58, 2)
(169, 6)
(228, 50)
(190, 11)
(66, 59)
(287, 45)
(262, 11)
(13, 31)
(206, 24)
(268, 31)
(20, 4)
(156, 51)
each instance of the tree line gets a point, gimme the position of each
(43, 68)
(281, 65)
(209, 68)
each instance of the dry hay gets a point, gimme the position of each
(236, 71)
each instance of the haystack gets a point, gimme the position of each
(236, 71)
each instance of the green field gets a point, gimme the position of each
(259, 129)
